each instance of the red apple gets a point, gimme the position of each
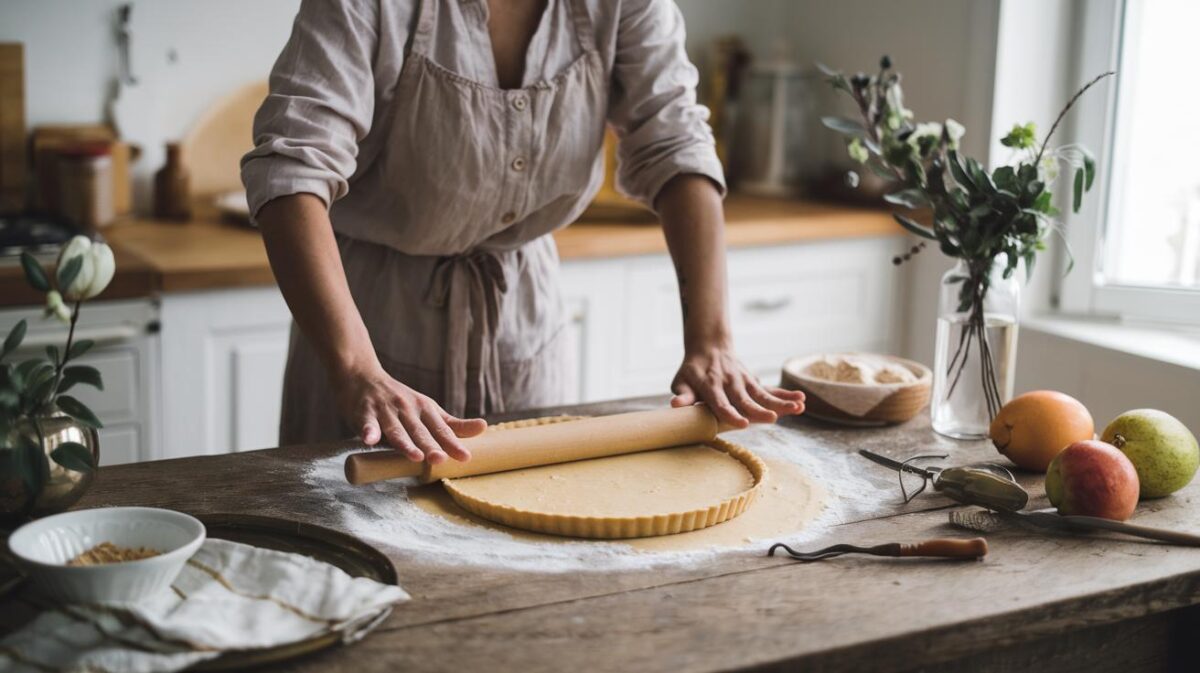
(1094, 479)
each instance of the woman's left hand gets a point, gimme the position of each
(713, 375)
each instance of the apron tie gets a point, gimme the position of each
(471, 288)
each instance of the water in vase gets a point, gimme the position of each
(962, 412)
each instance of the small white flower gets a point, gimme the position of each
(932, 130)
(55, 306)
(96, 271)
(955, 131)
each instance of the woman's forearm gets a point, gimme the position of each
(304, 257)
(693, 222)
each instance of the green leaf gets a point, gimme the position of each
(79, 348)
(73, 456)
(843, 125)
(1078, 192)
(909, 198)
(80, 374)
(41, 387)
(34, 273)
(31, 465)
(13, 341)
(1089, 169)
(79, 411)
(960, 173)
(914, 227)
(67, 273)
(1042, 202)
(52, 353)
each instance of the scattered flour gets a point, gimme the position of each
(384, 515)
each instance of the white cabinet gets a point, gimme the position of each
(223, 355)
(784, 301)
(223, 352)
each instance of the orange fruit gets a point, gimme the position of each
(1033, 428)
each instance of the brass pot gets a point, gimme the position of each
(63, 487)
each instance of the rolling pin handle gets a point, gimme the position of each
(369, 467)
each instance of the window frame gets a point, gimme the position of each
(1100, 47)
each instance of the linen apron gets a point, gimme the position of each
(458, 292)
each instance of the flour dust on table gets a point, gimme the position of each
(808, 490)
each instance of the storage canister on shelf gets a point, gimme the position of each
(85, 185)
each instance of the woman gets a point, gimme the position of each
(413, 157)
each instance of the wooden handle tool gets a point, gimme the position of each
(956, 548)
(516, 448)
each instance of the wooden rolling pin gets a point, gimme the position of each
(515, 448)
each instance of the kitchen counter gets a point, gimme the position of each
(1048, 602)
(208, 253)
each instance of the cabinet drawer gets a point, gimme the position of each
(119, 402)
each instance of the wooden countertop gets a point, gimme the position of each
(208, 253)
(1063, 601)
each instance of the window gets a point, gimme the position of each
(1137, 242)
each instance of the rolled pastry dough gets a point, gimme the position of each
(657, 492)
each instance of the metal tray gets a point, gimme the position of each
(355, 557)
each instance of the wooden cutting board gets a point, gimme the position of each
(213, 148)
(12, 127)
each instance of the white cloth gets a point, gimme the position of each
(229, 596)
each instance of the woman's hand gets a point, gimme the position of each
(713, 375)
(381, 407)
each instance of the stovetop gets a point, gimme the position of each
(37, 234)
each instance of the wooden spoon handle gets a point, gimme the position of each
(975, 547)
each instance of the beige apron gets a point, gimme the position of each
(458, 287)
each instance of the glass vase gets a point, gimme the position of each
(976, 349)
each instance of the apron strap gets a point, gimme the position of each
(423, 32)
(582, 20)
(471, 288)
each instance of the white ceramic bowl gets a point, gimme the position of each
(44, 546)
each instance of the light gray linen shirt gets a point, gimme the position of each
(442, 186)
(333, 85)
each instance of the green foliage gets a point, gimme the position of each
(77, 410)
(1021, 137)
(34, 273)
(73, 456)
(973, 215)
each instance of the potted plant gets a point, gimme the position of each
(48, 444)
(990, 222)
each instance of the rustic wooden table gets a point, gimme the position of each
(1036, 602)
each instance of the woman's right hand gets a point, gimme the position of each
(381, 407)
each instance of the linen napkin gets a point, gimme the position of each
(229, 596)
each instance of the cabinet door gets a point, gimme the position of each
(592, 297)
(783, 301)
(223, 355)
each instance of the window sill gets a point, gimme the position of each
(1179, 346)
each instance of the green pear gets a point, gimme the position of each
(1160, 447)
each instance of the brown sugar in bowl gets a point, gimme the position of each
(883, 403)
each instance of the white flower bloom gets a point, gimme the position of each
(55, 306)
(955, 131)
(931, 130)
(1048, 170)
(96, 270)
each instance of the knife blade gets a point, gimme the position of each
(1049, 520)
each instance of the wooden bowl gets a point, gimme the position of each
(874, 403)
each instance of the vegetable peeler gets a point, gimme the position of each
(986, 485)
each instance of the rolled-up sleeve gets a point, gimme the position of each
(319, 107)
(662, 131)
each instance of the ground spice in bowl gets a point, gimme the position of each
(107, 552)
